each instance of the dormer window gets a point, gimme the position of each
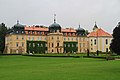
(40, 33)
(33, 32)
(22, 32)
(16, 31)
(28, 32)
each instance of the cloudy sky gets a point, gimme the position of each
(70, 13)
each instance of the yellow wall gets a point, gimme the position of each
(100, 44)
(84, 43)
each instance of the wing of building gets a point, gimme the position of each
(99, 40)
(54, 39)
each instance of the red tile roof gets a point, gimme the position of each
(36, 28)
(68, 30)
(46, 29)
(99, 33)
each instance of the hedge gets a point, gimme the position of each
(70, 47)
(36, 47)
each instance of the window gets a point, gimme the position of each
(64, 34)
(37, 32)
(81, 39)
(49, 44)
(29, 44)
(38, 44)
(28, 38)
(68, 45)
(45, 38)
(22, 37)
(91, 44)
(95, 41)
(106, 41)
(17, 44)
(91, 48)
(72, 39)
(22, 32)
(41, 45)
(28, 32)
(33, 44)
(57, 44)
(76, 45)
(16, 37)
(65, 45)
(68, 39)
(57, 37)
(32, 38)
(45, 45)
(52, 38)
(22, 44)
(91, 40)
(76, 38)
(52, 50)
(72, 45)
(38, 38)
(69, 34)
(106, 49)
(32, 32)
(52, 45)
(16, 31)
(81, 45)
(64, 38)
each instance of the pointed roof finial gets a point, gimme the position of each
(54, 18)
(95, 26)
(17, 21)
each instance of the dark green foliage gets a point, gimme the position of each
(3, 30)
(115, 45)
(86, 32)
(70, 47)
(36, 46)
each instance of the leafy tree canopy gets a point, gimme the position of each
(115, 45)
(3, 30)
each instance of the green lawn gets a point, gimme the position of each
(40, 68)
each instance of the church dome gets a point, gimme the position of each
(18, 25)
(55, 27)
(80, 31)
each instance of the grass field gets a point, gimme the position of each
(40, 68)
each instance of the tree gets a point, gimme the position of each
(3, 30)
(115, 44)
(86, 32)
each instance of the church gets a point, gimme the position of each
(22, 39)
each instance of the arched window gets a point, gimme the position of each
(52, 38)
(95, 41)
(52, 50)
(58, 38)
(106, 41)
(52, 45)
(57, 44)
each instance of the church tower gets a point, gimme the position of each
(95, 27)
(55, 38)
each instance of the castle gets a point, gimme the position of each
(22, 39)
